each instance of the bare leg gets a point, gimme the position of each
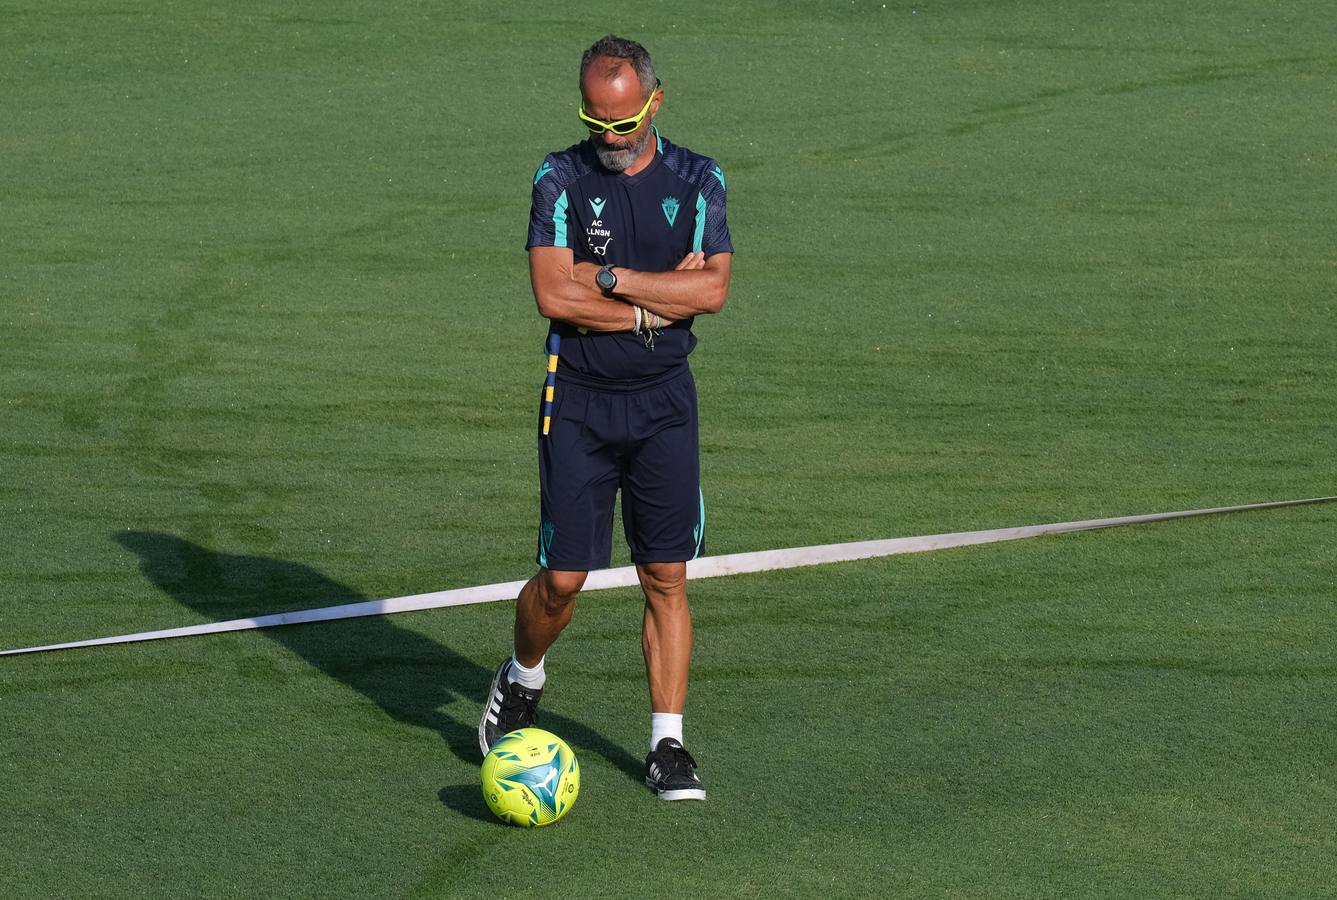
(667, 635)
(543, 609)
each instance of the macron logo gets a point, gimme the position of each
(543, 170)
(597, 204)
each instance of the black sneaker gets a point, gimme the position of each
(509, 706)
(669, 772)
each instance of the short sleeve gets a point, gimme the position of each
(548, 208)
(712, 220)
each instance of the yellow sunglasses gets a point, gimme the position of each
(621, 126)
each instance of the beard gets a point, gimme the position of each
(617, 157)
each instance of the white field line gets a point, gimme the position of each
(707, 567)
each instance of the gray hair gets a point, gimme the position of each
(621, 48)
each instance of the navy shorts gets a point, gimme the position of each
(643, 442)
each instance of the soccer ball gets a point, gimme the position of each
(530, 778)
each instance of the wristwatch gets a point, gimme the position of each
(605, 279)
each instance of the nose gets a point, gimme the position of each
(611, 138)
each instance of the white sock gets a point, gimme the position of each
(665, 725)
(526, 677)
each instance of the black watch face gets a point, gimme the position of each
(606, 279)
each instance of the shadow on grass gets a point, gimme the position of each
(408, 675)
(467, 799)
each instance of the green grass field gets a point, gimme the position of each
(268, 344)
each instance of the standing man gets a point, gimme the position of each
(627, 243)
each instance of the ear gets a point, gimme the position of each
(655, 103)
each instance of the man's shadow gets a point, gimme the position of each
(408, 675)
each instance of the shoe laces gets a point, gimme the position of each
(674, 759)
(519, 705)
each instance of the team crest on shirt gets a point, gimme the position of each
(670, 208)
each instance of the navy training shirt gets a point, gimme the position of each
(648, 222)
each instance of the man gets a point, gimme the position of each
(628, 241)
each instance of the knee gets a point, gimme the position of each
(665, 584)
(558, 590)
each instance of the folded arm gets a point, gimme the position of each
(565, 290)
(567, 295)
(697, 286)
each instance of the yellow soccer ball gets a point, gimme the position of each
(530, 778)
